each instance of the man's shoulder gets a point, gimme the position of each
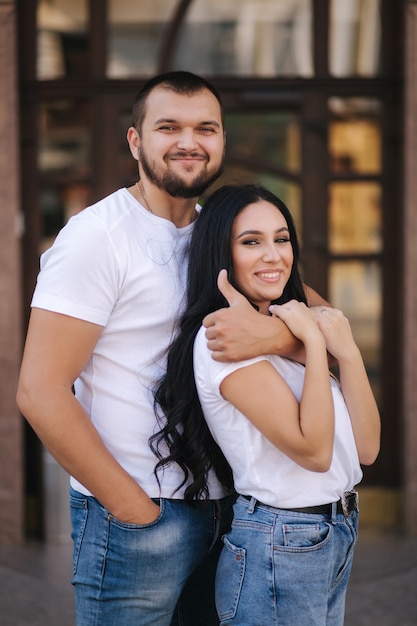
(112, 205)
(109, 214)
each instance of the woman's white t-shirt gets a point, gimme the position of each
(260, 469)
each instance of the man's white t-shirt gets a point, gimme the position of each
(123, 268)
(260, 469)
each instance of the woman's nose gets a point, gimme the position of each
(271, 252)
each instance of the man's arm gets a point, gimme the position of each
(57, 348)
(313, 298)
(239, 332)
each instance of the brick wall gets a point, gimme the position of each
(11, 454)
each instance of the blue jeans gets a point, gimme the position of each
(157, 574)
(284, 568)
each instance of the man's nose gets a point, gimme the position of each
(187, 140)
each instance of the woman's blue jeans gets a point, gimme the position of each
(284, 568)
(159, 574)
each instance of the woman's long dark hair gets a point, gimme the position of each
(185, 438)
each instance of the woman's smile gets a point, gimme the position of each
(269, 276)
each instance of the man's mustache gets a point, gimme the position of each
(184, 155)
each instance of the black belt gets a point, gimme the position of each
(345, 505)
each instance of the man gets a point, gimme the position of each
(103, 313)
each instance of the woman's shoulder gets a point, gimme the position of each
(201, 350)
(211, 372)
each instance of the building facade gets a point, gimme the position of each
(319, 98)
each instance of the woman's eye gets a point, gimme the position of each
(250, 242)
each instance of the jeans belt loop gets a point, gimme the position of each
(252, 505)
(334, 511)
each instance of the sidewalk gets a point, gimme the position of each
(35, 588)
(383, 585)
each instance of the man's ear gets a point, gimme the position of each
(133, 140)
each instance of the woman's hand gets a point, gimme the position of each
(299, 319)
(143, 511)
(336, 330)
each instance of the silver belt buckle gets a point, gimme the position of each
(349, 502)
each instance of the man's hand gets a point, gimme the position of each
(240, 332)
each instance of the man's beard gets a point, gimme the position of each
(174, 185)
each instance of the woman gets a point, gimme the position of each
(293, 436)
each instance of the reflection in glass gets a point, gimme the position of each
(265, 148)
(237, 37)
(135, 31)
(64, 137)
(64, 163)
(354, 38)
(355, 288)
(58, 202)
(62, 38)
(265, 140)
(247, 37)
(355, 136)
(290, 193)
(355, 218)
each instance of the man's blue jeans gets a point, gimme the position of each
(284, 568)
(158, 574)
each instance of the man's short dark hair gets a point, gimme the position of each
(180, 82)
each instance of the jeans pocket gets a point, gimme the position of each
(306, 536)
(229, 579)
